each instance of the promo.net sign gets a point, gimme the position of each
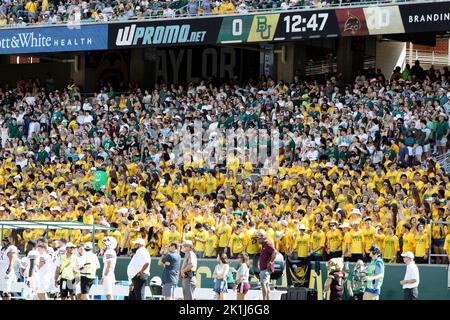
(164, 33)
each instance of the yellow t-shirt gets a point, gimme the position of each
(421, 245)
(223, 238)
(210, 246)
(251, 242)
(390, 247)
(356, 242)
(408, 242)
(237, 243)
(334, 239)
(317, 240)
(203, 235)
(347, 241)
(369, 238)
(301, 245)
(447, 244)
(171, 236)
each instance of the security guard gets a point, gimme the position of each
(65, 272)
(88, 265)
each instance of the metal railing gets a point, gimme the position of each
(428, 57)
(430, 254)
(444, 161)
(330, 66)
(181, 12)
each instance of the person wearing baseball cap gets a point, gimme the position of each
(375, 275)
(138, 270)
(302, 246)
(88, 265)
(65, 272)
(266, 262)
(188, 270)
(410, 282)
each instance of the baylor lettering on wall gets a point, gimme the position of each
(193, 64)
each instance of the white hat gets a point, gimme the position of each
(329, 165)
(356, 211)
(2, 208)
(261, 233)
(53, 194)
(188, 243)
(139, 241)
(284, 223)
(408, 254)
(344, 225)
(88, 245)
(122, 210)
(70, 245)
(55, 208)
(302, 227)
(278, 235)
(355, 222)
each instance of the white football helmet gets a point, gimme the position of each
(110, 242)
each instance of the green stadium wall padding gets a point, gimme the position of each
(433, 278)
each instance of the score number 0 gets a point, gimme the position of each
(293, 23)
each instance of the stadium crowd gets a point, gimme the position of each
(16, 13)
(357, 164)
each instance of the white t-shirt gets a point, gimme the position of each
(4, 258)
(46, 269)
(412, 272)
(25, 263)
(244, 272)
(137, 262)
(110, 255)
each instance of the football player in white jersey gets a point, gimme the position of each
(109, 265)
(30, 270)
(46, 271)
(8, 256)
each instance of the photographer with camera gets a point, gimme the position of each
(171, 260)
(188, 270)
(355, 282)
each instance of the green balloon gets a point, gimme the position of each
(100, 179)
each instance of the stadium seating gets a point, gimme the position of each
(345, 155)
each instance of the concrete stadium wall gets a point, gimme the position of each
(390, 54)
(433, 282)
(12, 73)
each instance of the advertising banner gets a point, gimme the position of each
(383, 20)
(164, 33)
(53, 39)
(426, 17)
(352, 22)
